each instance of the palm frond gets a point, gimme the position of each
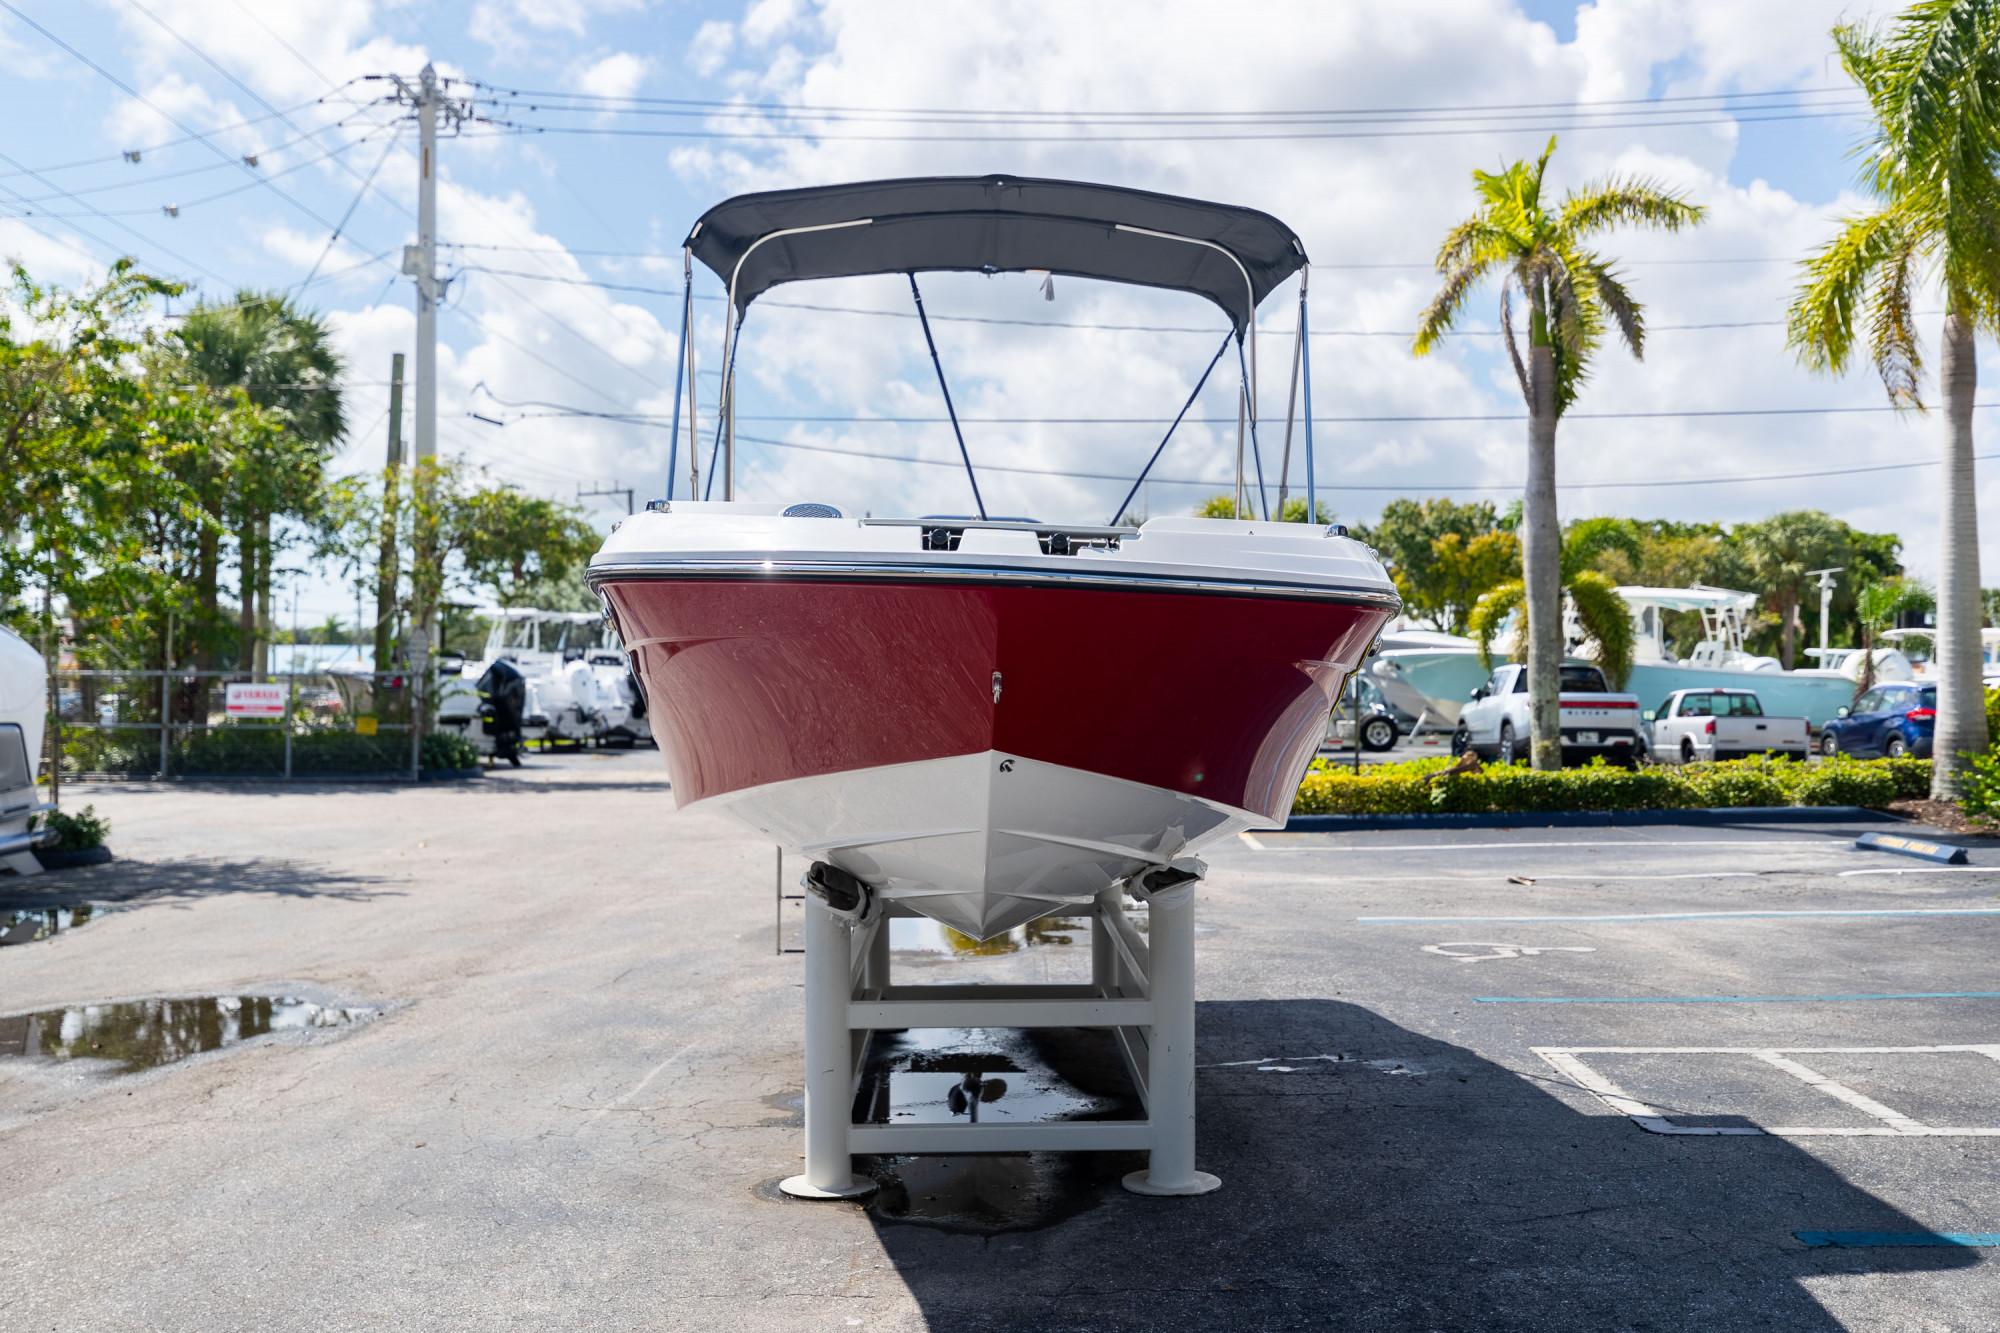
(1507, 337)
(1491, 611)
(1631, 201)
(1438, 317)
(1819, 326)
(1607, 621)
(1627, 315)
(1892, 330)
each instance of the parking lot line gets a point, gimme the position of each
(1774, 913)
(1566, 1060)
(1737, 999)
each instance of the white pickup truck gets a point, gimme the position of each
(1594, 720)
(1700, 724)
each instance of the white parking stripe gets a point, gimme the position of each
(1565, 1060)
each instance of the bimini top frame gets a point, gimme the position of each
(1230, 256)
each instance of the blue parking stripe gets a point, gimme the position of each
(1849, 1240)
(1735, 999)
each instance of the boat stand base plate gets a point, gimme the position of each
(1141, 1182)
(801, 1188)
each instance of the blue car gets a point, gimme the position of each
(1894, 720)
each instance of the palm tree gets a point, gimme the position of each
(1571, 293)
(282, 359)
(1785, 551)
(1602, 617)
(1932, 79)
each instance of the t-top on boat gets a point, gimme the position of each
(990, 719)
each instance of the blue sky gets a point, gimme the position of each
(550, 326)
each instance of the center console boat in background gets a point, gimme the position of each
(990, 719)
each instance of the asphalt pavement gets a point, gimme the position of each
(1651, 1078)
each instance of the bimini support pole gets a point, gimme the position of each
(725, 414)
(680, 370)
(1168, 892)
(1306, 361)
(1249, 410)
(1291, 408)
(1213, 362)
(945, 388)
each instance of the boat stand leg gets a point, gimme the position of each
(1103, 953)
(1170, 1050)
(829, 1172)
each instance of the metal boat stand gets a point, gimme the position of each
(1141, 988)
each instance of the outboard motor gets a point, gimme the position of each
(503, 694)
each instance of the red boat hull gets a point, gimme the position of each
(1216, 696)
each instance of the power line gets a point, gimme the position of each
(128, 154)
(120, 223)
(1397, 488)
(1381, 419)
(147, 179)
(1074, 324)
(136, 96)
(1152, 114)
(174, 209)
(506, 125)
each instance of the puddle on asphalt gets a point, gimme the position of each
(144, 1034)
(921, 935)
(25, 925)
(992, 1076)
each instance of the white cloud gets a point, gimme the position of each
(712, 43)
(618, 75)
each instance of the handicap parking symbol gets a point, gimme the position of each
(1491, 951)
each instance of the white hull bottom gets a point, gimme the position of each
(984, 842)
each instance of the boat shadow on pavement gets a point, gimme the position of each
(183, 880)
(1377, 1179)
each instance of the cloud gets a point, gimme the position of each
(712, 43)
(617, 76)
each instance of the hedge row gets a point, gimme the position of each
(1409, 788)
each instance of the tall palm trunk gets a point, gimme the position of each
(1788, 631)
(1541, 560)
(262, 662)
(1961, 712)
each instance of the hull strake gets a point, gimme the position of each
(1215, 696)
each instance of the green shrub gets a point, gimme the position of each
(1993, 716)
(449, 750)
(1402, 789)
(77, 832)
(1979, 785)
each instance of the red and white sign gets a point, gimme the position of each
(241, 699)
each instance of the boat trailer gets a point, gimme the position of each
(1141, 988)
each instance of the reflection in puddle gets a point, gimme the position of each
(920, 934)
(143, 1034)
(993, 1192)
(25, 925)
(991, 1076)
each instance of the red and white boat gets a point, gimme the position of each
(987, 719)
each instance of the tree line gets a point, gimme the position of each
(158, 479)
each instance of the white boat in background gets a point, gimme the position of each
(24, 713)
(1426, 673)
(1720, 661)
(1925, 669)
(579, 686)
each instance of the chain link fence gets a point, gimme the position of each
(234, 724)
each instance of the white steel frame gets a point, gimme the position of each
(1141, 988)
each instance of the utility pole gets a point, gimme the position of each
(1826, 579)
(420, 263)
(613, 489)
(387, 568)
